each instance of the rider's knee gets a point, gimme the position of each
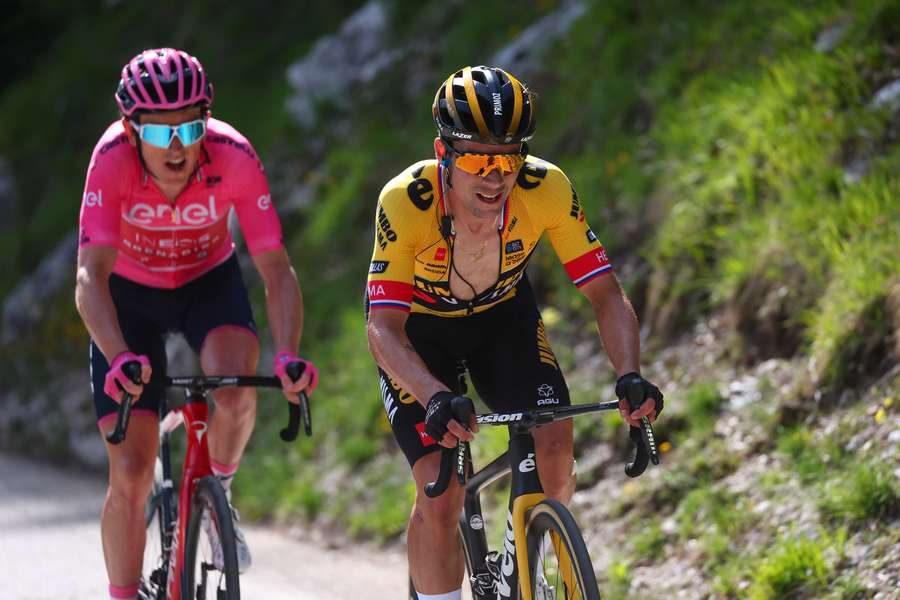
(131, 476)
(556, 469)
(440, 513)
(238, 402)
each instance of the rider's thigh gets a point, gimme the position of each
(443, 511)
(230, 350)
(553, 445)
(131, 463)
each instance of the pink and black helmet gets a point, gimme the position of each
(162, 79)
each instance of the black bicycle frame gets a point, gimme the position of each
(520, 461)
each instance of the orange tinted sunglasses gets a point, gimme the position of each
(483, 164)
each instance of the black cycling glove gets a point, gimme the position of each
(650, 390)
(440, 411)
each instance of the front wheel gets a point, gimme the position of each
(559, 566)
(210, 554)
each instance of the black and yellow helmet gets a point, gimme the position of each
(484, 104)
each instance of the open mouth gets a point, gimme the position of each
(490, 199)
(176, 165)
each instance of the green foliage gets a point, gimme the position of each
(792, 565)
(702, 403)
(811, 457)
(867, 492)
(650, 541)
(619, 577)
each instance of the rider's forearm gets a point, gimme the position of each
(395, 354)
(95, 305)
(284, 306)
(619, 331)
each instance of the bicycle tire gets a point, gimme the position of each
(155, 568)
(209, 498)
(573, 578)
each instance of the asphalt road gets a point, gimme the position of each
(50, 548)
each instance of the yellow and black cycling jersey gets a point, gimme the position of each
(411, 263)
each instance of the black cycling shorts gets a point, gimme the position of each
(146, 314)
(507, 356)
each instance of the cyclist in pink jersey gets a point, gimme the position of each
(156, 256)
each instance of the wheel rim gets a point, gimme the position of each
(209, 576)
(555, 577)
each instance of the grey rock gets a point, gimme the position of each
(339, 64)
(888, 96)
(523, 54)
(26, 305)
(830, 37)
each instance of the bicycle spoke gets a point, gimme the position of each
(556, 578)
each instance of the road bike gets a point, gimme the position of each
(190, 552)
(544, 556)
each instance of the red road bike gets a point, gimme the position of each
(190, 552)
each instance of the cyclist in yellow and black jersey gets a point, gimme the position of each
(413, 258)
(447, 289)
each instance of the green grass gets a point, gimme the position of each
(867, 492)
(792, 565)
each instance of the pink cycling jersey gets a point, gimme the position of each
(166, 244)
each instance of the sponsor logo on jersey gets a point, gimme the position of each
(512, 224)
(112, 144)
(264, 202)
(92, 199)
(440, 254)
(575, 210)
(591, 238)
(476, 522)
(426, 439)
(378, 266)
(385, 233)
(530, 175)
(376, 289)
(421, 192)
(221, 139)
(514, 246)
(498, 105)
(190, 214)
(212, 180)
(84, 238)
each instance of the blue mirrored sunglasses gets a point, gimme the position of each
(161, 136)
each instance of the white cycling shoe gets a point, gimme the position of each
(244, 559)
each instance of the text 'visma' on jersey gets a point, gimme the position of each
(410, 268)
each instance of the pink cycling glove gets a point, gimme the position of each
(116, 374)
(284, 358)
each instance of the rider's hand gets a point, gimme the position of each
(653, 400)
(116, 380)
(308, 380)
(440, 423)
